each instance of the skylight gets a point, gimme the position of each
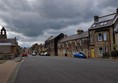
(103, 23)
(93, 25)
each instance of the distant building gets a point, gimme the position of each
(42, 48)
(35, 48)
(51, 44)
(102, 35)
(8, 46)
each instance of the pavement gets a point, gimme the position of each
(7, 68)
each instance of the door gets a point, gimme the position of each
(92, 52)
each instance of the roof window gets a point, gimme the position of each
(93, 25)
(103, 23)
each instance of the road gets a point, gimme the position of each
(45, 69)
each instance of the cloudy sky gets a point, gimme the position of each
(33, 21)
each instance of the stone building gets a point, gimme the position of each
(42, 48)
(35, 48)
(74, 43)
(101, 34)
(116, 36)
(51, 44)
(8, 46)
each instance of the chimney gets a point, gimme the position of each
(96, 18)
(117, 10)
(79, 31)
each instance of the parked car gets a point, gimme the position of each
(33, 54)
(79, 55)
(42, 54)
(46, 54)
(24, 55)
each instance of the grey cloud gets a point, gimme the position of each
(107, 3)
(34, 18)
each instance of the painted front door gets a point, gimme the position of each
(92, 53)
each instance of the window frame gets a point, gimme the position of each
(100, 38)
(105, 36)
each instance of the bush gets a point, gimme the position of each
(114, 53)
(106, 55)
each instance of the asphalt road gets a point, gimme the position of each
(45, 69)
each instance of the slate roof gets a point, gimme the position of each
(68, 38)
(84, 34)
(53, 37)
(74, 37)
(105, 21)
(12, 41)
(49, 38)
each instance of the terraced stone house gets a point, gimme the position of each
(116, 36)
(74, 43)
(102, 35)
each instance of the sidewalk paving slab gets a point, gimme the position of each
(7, 68)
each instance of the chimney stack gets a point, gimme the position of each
(117, 10)
(79, 31)
(96, 18)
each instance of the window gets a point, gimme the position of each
(67, 44)
(105, 36)
(91, 38)
(100, 50)
(93, 25)
(104, 49)
(63, 45)
(80, 42)
(105, 23)
(102, 23)
(100, 37)
(59, 45)
(75, 43)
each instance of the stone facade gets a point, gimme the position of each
(116, 37)
(102, 36)
(8, 46)
(51, 44)
(42, 48)
(35, 48)
(74, 43)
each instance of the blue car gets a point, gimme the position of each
(79, 55)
